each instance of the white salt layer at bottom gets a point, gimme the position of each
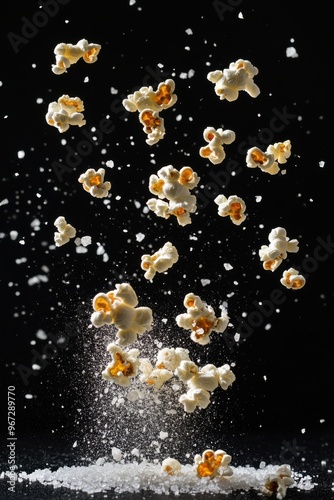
(133, 477)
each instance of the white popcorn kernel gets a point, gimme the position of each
(225, 376)
(93, 182)
(175, 186)
(273, 254)
(65, 231)
(238, 76)
(280, 150)
(160, 261)
(147, 98)
(65, 112)
(68, 54)
(118, 308)
(264, 160)
(170, 358)
(278, 482)
(214, 151)
(171, 466)
(292, 279)
(233, 206)
(195, 398)
(153, 126)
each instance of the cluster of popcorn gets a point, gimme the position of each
(65, 112)
(200, 319)
(233, 207)
(68, 54)
(119, 308)
(149, 103)
(276, 484)
(268, 161)
(272, 256)
(200, 382)
(93, 182)
(160, 261)
(65, 231)
(238, 76)
(173, 185)
(216, 463)
(216, 138)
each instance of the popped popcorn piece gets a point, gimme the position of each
(291, 279)
(225, 376)
(119, 308)
(93, 182)
(170, 357)
(273, 254)
(238, 76)
(195, 398)
(160, 261)
(149, 103)
(233, 206)
(153, 376)
(153, 126)
(171, 466)
(276, 484)
(213, 463)
(214, 151)
(175, 186)
(268, 161)
(186, 370)
(147, 98)
(123, 367)
(68, 54)
(65, 231)
(65, 112)
(200, 319)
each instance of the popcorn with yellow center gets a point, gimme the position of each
(268, 161)
(216, 138)
(93, 182)
(233, 207)
(174, 186)
(68, 54)
(237, 77)
(65, 112)
(162, 260)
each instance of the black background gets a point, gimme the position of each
(284, 368)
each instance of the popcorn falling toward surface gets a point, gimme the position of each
(65, 112)
(162, 260)
(65, 231)
(233, 207)
(280, 245)
(93, 182)
(173, 185)
(119, 308)
(149, 103)
(268, 161)
(68, 54)
(200, 319)
(292, 279)
(214, 151)
(237, 77)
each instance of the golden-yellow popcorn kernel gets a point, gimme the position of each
(201, 326)
(150, 120)
(90, 55)
(163, 94)
(120, 366)
(210, 464)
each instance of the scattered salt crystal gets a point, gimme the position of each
(110, 164)
(4, 202)
(21, 154)
(189, 31)
(13, 235)
(40, 334)
(205, 282)
(39, 278)
(75, 444)
(258, 198)
(86, 240)
(81, 249)
(28, 396)
(228, 267)
(321, 164)
(140, 237)
(116, 454)
(35, 367)
(100, 249)
(237, 337)
(291, 52)
(240, 15)
(163, 435)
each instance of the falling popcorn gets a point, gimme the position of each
(276, 484)
(214, 151)
(213, 463)
(268, 161)
(291, 279)
(147, 98)
(171, 466)
(68, 54)
(93, 182)
(200, 319)
(233, 206)
(153, 376)
(123, 367)
(273, 254)
(175, 186)
(65, 231)
(119, 308)
(160, 261)
(65, 112)
(238, 76)
(149, 104)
